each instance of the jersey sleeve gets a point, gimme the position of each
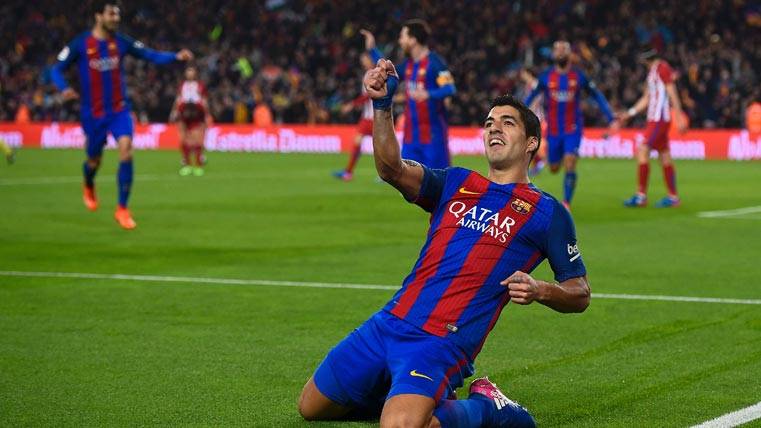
(591, 89)
(68, 54)
(375, 55)
(665, 72)
(443, 84)
(561, 248)
(538, 87)
(431, 188)
(137, 49)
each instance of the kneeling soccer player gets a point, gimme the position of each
(486, 235)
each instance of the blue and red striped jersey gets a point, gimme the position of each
(426, 121)
(562, 100)
(101, 72)
(481, 233)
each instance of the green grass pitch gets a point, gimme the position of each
(97, 352)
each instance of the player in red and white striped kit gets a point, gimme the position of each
(661, 99)
(365, 124)
(191, 111)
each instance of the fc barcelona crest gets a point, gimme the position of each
(520, 206)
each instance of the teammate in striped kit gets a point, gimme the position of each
(660, 97)
(561, 88)
(365, 125)
(104, 108)
(486, 235)
(427, 84)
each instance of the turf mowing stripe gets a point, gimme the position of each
(730, 213)
(30, 181)
(232, 281)
(734, 419)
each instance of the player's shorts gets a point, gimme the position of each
(657, 135)
(433, 155)
(365, 127)
(387, 356)
(192, 124)
(561, 145)
(97, 129)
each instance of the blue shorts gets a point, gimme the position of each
(387, 356)
(560, 145)
(97, 129)
(433, 155)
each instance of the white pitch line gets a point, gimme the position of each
(735, 418)
(334, 285)
(730, 213)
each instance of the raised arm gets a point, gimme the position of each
(68, 55)
(139, 50)
(405, 175)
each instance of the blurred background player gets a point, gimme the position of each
(561, 87)
(8, 152)
(104, 106)
(365, 124)
(191, 111)
(660, 97)
(427, 83)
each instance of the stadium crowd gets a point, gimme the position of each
(297, 61)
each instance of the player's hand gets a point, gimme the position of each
(522, 287)
(369, 39)
(184, 55)
(419, 94)
(622, 117)
(375, 79)
(681, 124)
(347, 107)
(69, 94)
(614, 126)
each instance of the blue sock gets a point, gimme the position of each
(124, 181)
(89, 174)
(470, 413)
(569, 185)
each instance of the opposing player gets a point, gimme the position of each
(191, 111)
(486, 235)
(660, 97)
(98, 54)
(561, 87)
(427, 84)
(365, 125)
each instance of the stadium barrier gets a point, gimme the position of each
(734, 144)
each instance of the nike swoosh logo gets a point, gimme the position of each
(467, 192)
(416, 374)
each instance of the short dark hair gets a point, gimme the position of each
(418, 29)
(99, 6)
(530, 122)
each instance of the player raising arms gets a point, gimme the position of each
(98, 54)
(365, 125)
(561, 87)
(427, 83)
(486, 235)
(191, 109)
(660, 97)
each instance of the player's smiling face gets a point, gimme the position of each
(110, 18)
(505, 140)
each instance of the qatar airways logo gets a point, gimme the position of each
(484, 220)
(104, 64)
(561, 96)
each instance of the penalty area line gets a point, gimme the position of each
(733, 419)
(730, 213)
(332, 285)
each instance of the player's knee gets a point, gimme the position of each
(403, 420)
(93, 162)
(554, 168)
